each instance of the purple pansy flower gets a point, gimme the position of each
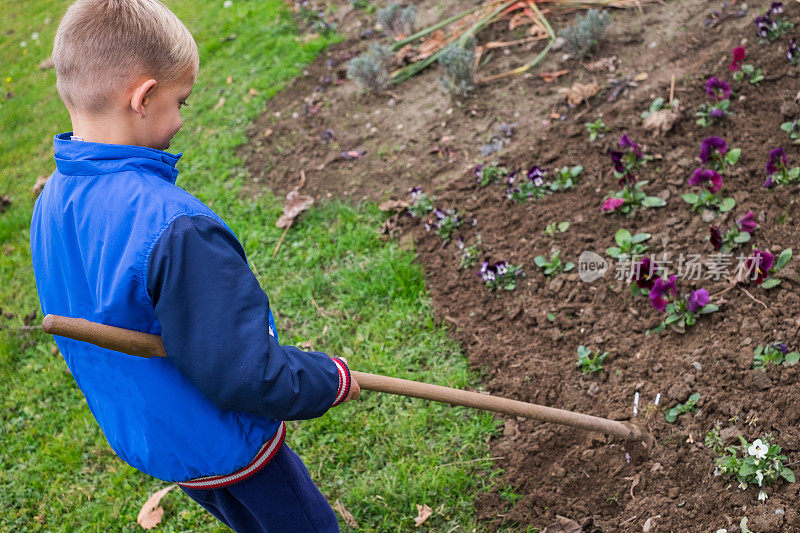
(769, 182)
(711, 145)
(739, 53)
(660, 290)
(718, 113)
(616, 157)
(697, 300)
(645, 273)
(776, 8)
(776, 155)
(478, 171)
(759, 264)
(782, 347)
(536, 175)
(710, 179)
(626, 142)
(718, 88)
(792, 52)
(611, 204)
(715, 236)
(747, 223)
(765, 25)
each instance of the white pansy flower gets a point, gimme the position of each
(743, 485)
(759, 477)
(758, 449)
(762, 496)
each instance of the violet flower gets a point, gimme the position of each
(748, 223)
(765, 25)
(776, 8)
(697, 300)
(715, 237)
(759, 264)
(776, 155)
(611, 204)
(645, 273)
(782, 347)
(536, 175)
(793, 54)
(718, 88)
(616, 157)
(626, 142)
(739, 53)
(478, 171)
(710, 179)
(711, 145)
(718, 113)
(660, 290)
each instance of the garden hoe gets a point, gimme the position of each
(148, 345)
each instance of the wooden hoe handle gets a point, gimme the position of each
(148, 345)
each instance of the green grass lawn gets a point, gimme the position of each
(378, 457)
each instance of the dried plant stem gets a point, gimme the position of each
(754, 298)
(278, 246)
(671, 88)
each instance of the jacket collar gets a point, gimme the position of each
(83, 158)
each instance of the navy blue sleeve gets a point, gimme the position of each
(215, 327)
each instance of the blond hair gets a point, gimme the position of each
(103, 45)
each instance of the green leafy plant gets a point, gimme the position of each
(468, 254)
(487, 174)
(421, 203)
(660, 104)
(554, 227)
(501, 275)
(688, 406)
(554, 265)
(444, 223)
(590, 362)
(750, 73)
(628, 245)
(371, 69)
(759, 463)
(585, 34)
(597, 129)
(765, 280)
(793, 129)
(713, 440)
(566, 178)
(774, 354)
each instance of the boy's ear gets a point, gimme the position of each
(141, 96)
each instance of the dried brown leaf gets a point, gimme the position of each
(295, 204)
(393, 205)
(432, 45)
(608, 64)
(519, 19)
(346, 515)
(5, 201)
(252, 92)
(579, 92)
(220, 103)
(563, 525)
(423, 513)
(151, 513)
(661, 121)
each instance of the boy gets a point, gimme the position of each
(114, 240)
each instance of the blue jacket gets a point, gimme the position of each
(115, 241)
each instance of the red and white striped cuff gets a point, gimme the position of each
(262, 458)
(344, 381)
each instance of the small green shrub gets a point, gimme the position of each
(586, 32)
(459, 75)
(398, 20)
(371, 69)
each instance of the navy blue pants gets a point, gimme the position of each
(279, 498)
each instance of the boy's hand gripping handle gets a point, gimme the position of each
(148, 345)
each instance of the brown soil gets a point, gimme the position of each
(602, 483)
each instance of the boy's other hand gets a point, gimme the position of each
(355, 390)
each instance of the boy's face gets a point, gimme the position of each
(163, 114)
